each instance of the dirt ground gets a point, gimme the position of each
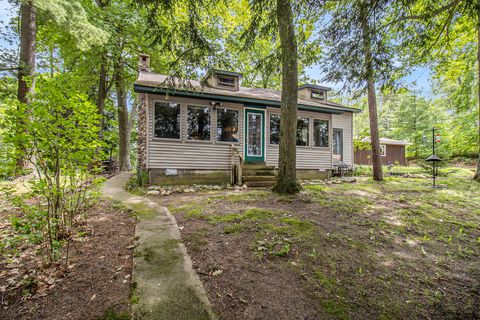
(95, 284)
(362, 250)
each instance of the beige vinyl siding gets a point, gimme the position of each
(345, 121)
(187, 154)
(308, 157)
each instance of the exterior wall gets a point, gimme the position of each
(308, 157)
(196, 158)
(394, 154)
(344, 121)
(189, 154)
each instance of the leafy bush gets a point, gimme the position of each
(59, 138)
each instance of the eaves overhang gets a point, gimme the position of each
(223, 98)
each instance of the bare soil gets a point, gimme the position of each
(364, 251)
(96, 282)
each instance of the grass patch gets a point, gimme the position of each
(197, 239)
(111, 314)
(234, 228)
(297, 224)
(254, 214)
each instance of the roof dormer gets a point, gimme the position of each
(226, 80)
(313, 92)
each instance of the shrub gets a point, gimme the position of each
(59, 137)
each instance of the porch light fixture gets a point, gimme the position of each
(215, 104)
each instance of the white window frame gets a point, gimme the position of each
(310, 136)
(180, 130)
(186, 123)
(240, 122)
(383, 150)
(328, 133)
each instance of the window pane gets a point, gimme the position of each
(337, 142)
(320, 133)
(274, 129)
(302, 132)
(227, 125)
(318, 95)
(198, 121)
(167, 120)
(254, 131)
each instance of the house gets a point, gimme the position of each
(217, 130)
(392, 151)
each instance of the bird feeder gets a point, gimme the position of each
(434, 158)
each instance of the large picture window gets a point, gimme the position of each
(227, 125)
(274, 129)
(167, 120)
(302, 131)
(198, 123)
(320, 133)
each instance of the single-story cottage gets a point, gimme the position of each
(216, 130)
(391, 152)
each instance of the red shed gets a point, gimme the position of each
(392, 151)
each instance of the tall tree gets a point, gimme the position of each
(124, 129)
(372, 97)
(430, 29)
(26, 65)
(287, 169)
(361, 55)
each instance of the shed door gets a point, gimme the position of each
(337, 145)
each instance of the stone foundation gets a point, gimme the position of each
(305, 174)
(188, 176)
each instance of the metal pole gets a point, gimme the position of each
(433, 139)
(433, 149)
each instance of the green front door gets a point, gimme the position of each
(254, 135)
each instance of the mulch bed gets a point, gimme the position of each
(96, 281)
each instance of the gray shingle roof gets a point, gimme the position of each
(156, 80)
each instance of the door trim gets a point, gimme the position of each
(263, 157)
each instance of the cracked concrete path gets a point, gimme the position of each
(164, 283)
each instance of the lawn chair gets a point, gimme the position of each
(341, 169)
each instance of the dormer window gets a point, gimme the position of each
(226, 81)
(313, 92)
(318, 95)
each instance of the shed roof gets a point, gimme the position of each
(389, 141)
(159, 83)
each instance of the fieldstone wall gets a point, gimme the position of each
(142, 132)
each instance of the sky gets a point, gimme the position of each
(417, 81)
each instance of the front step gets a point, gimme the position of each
(258, 175)
(260, 184)
(257, 166)
(266, 172)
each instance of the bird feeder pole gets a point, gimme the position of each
(434, 158)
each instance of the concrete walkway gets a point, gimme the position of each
(165, 285)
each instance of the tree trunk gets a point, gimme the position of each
(372, 98)
(102, 94)
(477, 173)
(26, 66)
(287, 171)
(123, 123)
